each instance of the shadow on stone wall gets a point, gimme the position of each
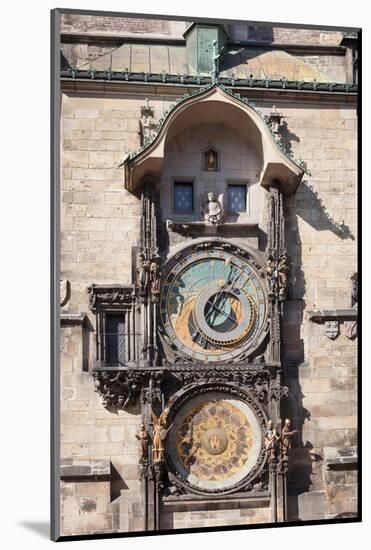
(117, 483)
(303, 465)
(312, 210)
(287, 137)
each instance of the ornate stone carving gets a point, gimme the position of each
(274, 120)
(119, 389)
(256, 378)
(278, 392)
(277, 276)
(152, 391)
(332, 329)
(212, 207)
(147, 124)
(108, 295)
(271, 276)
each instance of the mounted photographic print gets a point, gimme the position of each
(205, 276)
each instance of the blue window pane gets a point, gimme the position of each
(183, 196)
(237, 198)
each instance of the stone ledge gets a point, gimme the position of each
(85, 469)
(217, 502)
(68, 319)
(180, 226)
(327, 314)
(340, 457)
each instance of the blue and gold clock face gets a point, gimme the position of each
(213, 305)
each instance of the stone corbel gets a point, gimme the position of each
(340, 458)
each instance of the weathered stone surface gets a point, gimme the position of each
(71, 467)
(339, 456)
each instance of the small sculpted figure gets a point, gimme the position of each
(286, 436)
(159, 434)
(212, 208)
(142, 437)
(271, 441)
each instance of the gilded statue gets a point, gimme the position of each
(211, 161)
(271, 441)
(159, 435)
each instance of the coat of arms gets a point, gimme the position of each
(332, 329)
(350, 329)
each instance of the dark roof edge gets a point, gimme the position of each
(164, 78)
(109, 39)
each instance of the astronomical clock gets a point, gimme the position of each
(200, 354)
(213, 304)
(213, 320)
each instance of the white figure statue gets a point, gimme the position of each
(212, 207)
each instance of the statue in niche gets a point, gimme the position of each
(212, 207)
(283, 279)
(159, 434)
(142, 437)
(271, 441)
(272, 276)
(211, 160)
(142, 275)
(286, 436)
(154, 278)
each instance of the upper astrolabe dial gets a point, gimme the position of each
(213, 305)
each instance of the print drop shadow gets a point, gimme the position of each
(42, 528)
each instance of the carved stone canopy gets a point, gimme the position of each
(110, 295)
(215, 105)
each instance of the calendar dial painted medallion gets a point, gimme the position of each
(213, 305)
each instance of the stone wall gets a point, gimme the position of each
(100, 223)
(175, 29)
(213, 515)
(122, 25)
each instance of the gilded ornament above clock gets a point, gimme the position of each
(213, 305)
